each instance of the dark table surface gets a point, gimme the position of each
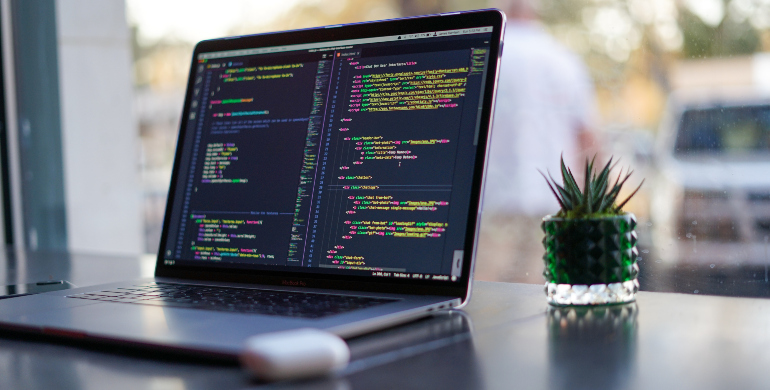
(507, 337)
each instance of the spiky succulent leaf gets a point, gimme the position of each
(598, 196)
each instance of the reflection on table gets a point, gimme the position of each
(608, 331)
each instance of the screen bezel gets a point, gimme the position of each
(459, 288)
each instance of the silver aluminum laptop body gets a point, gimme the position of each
(341, 160)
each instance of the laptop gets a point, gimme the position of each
(327, 178)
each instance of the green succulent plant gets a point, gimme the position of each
(597, 199)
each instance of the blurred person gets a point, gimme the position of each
(545, 102)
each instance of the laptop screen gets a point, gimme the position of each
(351, 157)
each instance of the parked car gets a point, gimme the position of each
(711, 196)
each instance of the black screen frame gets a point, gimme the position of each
(458, 20)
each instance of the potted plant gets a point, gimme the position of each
(590, 244)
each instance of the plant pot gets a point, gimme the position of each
(590, 261)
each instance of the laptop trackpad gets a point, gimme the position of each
(12, 309)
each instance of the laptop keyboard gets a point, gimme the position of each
(238, 300)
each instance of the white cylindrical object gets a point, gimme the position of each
(291, 354)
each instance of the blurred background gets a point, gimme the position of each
(677, 89)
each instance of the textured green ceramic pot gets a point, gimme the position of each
(590, 261)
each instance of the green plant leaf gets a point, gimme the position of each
(620, 206)
(558, 198)
(598, 196)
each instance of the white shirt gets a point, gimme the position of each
(545, 97)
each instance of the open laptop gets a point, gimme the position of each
(328, 178)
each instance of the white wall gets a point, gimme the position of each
(99, 134)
